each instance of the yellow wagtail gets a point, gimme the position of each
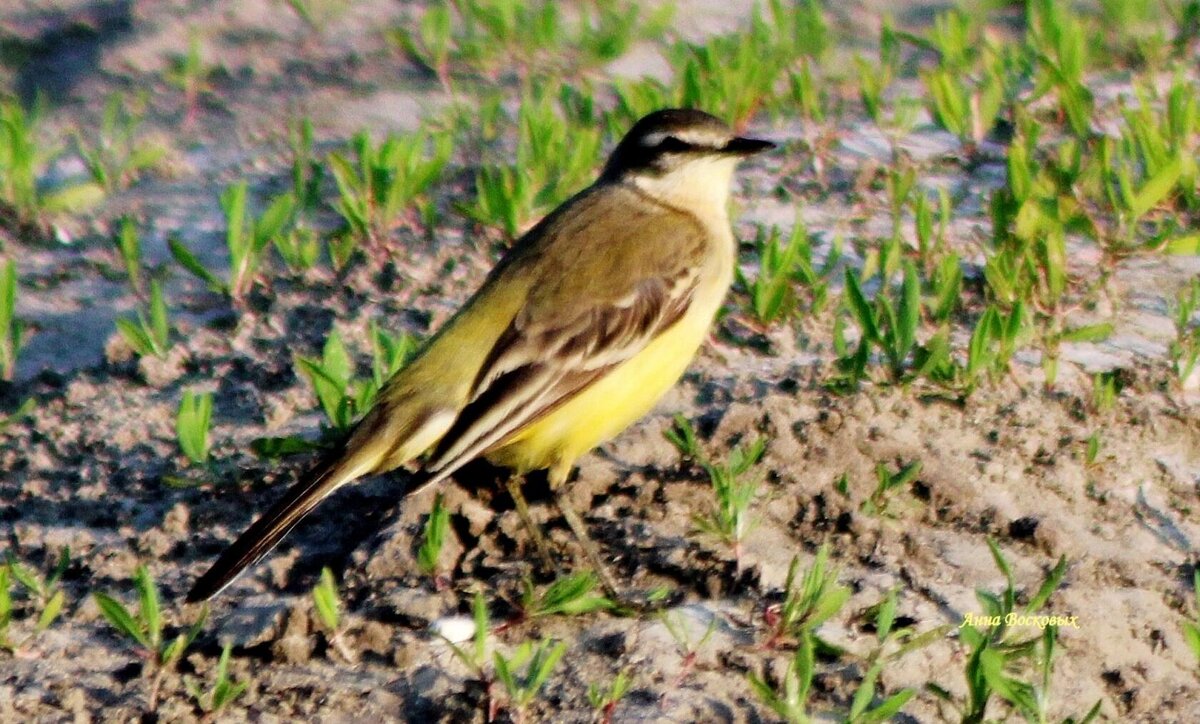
(577, 332)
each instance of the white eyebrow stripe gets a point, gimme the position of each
(702, 137)
(651, 140)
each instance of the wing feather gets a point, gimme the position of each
(539, 364)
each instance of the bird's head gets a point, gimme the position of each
(681, 155)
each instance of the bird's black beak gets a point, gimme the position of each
(740, 146)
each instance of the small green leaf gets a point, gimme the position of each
(119, 617)
(1088, 333)
(188, 261)
(861, 309)
(51, 610)
(1155, 190)
(1189, 244)
(73, 198)
(148, 611)
(325, 600)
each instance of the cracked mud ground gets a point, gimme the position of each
(89, 469)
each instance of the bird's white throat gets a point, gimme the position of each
(701, 187)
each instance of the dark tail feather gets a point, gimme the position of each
(268, 530)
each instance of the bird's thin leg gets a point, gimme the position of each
(588, 545)
(535, 532)
(557, 478)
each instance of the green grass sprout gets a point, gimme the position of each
(223, 690)
(12, 329)
(571, 595)
(45, 596)
(192, 423)
(327, 604)
(522, 686)
(432, 540)
(147, 630)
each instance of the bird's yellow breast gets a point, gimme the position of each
(628, 392)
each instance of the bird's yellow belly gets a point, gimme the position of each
(616, 400)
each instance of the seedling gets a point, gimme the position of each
(431, 43)
(23, 157)
(504, 198)
(997, 660)
(1104, 391)
(378, 186)
(487, 34)
(328, 606)
(12, 329)
(993, 342)
(389, 353)
(683, 436)
(790, 700)
(317, 14)
(607, 30)
(192, 423)
(522, 687)
(842, 485)
(1133, 195)
(223, 690)
(1092, 453)
(967, 111)
(246, 239)
(568, 596)
(129, 244)
(772, 293)
(27, 406)
(1029, 260)
(729, 519)
(189, 73)
(146, 630)
(1191, 628)
(118, 156)
(475, 656)
(554, 159)
(430, 552)
(860, 705)
(1059, 42)
(1184, 350)
(735, 74)
(487, 38)
(806, 95)
(872, 82)
(808, 602)
(300, 246)
(148, 334)
(687, 647)
(890, 326)
(886, 482)
(44, 594)
(604, 698)
(342, 396)
(947, 288)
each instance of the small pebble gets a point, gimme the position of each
(454, 629)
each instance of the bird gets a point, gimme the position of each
(584, 323)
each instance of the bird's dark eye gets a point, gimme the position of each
(672, 144)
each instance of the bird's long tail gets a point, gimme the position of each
(333, 471)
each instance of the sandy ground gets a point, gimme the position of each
(87, 469)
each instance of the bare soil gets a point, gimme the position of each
(90, 468)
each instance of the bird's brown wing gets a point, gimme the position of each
(561, 342)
